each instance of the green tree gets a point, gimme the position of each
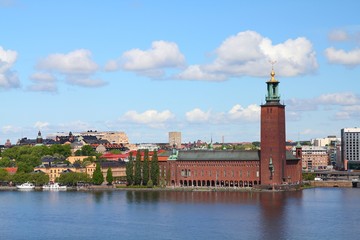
(87, 150)
(21, 177)
(130, 170)
(39, 178)
(155, 169)
(145, 168)
(109, 176)
(72, 178)
(98, 177)
(150, 184)
(24, 167)
(4, 175)
(137, 175)
(5, 162)
(63, 150)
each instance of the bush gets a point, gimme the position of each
(150, 184)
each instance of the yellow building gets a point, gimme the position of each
(73, 159)
(54, 171)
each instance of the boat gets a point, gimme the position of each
(53, 186)
(26, 185)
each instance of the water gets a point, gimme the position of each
(321, 213)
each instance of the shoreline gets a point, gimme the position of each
(115, 187)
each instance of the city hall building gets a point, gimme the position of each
(272, 166)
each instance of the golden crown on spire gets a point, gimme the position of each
(272, 74)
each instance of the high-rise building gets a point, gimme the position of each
(175, 139)
(350, 145)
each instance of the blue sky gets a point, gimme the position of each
(199, 67)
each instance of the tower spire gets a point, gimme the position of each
(272, 88)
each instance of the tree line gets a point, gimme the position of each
(26, 158)
(142, 173)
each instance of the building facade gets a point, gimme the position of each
(350, 144)
(175, 139)
(272, 166)
(350, 147)
(314, 158)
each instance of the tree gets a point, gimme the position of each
(5, 162)
(145, 168)
(98, 177)
(24, 167)
(154, 169)
(137, 176)
(109, 176)
(87, 150)
(4, 175)
(39, 178)
(130, 170)
(72, 178)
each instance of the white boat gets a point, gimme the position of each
(26, 185)
(53, 186)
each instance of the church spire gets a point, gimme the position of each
(272, 89)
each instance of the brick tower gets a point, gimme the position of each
(273, 152)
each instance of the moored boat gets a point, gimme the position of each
(53, 186)
(26, 185)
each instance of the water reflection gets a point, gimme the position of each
(142, 196)
(100, 195)
(273, 206)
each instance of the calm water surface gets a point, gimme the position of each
(321, 213)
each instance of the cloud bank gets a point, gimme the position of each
(8, 77)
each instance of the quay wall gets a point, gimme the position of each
(344, 184)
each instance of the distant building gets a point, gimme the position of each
(175, 139)
(112, 137)
(149, 146)
(350, 146)
(314, 158)
(323, 142)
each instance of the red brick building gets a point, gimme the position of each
(270, 166)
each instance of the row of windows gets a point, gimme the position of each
(218, 165)
(217, 173)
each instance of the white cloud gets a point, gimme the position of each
(151, 62)
(195, 72)
(250, 114)
(301, 104)
(346, 98)
(248, 53)
(338, 35)
(84, 81)
(74, 126)
(151, 118)
(293, 116)
(10, 129)
(75, 62)
(161, 55)
(8, 77)
(339, 56)
(41, 125)
(235, 115)
(77, 67)
(197, 116)
(111, 65)
(42, 82)
(348, 112)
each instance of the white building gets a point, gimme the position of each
(350, 144)
(323, 142)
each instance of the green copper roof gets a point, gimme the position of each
(213, 155)
(221, 155)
